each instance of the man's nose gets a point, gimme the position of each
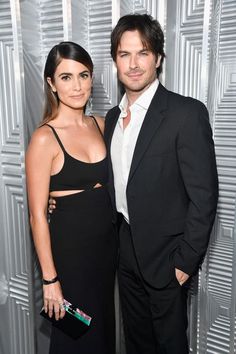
(133, 62)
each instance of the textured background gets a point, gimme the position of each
(201, 62)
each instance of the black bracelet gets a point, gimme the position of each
(47, 282)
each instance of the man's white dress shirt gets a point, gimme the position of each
(124, 141)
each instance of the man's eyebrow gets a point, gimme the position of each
(126, 51)
(122, 51)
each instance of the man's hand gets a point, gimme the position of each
(181, 276)
(51, 205)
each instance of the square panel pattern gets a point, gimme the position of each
(104, 95)
(6, 33)
(220, 270)
(14, 244)
(213, 300)
(217, 288)
(51, 24)
(189, 35)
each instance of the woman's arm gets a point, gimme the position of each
(39, 158)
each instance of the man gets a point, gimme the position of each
(164, 187)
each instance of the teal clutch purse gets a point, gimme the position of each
(75, 323)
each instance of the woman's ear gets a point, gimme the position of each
(49, 81)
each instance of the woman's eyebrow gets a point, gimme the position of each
(64, 74)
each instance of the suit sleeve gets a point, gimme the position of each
(197, 163)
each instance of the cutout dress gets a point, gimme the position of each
(84, 248)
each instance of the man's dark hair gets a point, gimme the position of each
(150, 31)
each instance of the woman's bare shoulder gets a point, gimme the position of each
(42, 138)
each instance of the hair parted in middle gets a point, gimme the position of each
(149, 29)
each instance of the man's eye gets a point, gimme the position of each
(123, 55)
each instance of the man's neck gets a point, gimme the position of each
(132, 96)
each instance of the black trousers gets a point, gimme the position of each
(155, 320)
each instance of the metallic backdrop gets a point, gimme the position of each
(201, 62)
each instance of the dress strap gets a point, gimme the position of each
(57, 137)
(95, 121)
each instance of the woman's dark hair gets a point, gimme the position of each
(150, 31)
(63, 50)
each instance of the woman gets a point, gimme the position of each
(66, 159)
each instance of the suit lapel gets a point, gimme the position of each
(152, 121)
(111, 127)
(110, 124)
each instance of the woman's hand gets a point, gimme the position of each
(53, 300)
(51, 205)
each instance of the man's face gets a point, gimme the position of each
(136, 65)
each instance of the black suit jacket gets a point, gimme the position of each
(172, 188)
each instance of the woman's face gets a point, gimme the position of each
(72, 83)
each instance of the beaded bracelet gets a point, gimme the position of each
(47, 282)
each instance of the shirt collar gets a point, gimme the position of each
(142, 101)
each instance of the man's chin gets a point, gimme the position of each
(137, 88)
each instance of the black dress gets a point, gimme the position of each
(84, 246)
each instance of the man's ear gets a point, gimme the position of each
(158, 62)
(49, 81)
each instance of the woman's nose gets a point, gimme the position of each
(77, 84)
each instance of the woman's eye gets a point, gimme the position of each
(65, 78)
(84, 75)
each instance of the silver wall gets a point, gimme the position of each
(201, 62)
